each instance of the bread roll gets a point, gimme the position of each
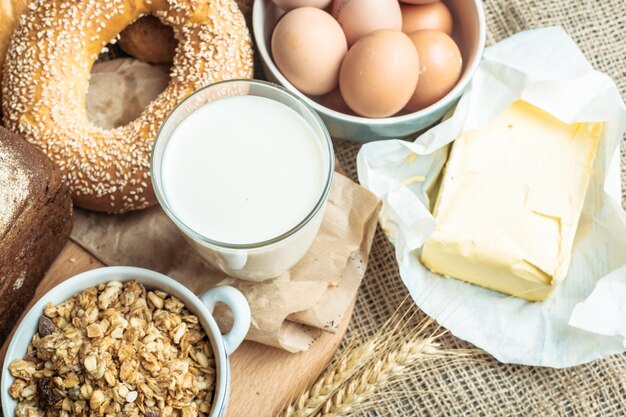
(151, 41)
(47, 72)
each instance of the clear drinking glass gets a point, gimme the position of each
(262, 260)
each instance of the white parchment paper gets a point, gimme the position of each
(545, 68)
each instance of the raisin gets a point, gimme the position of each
(46, 326)
(31, 357)
(46, 393)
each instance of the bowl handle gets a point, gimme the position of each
(238, 304)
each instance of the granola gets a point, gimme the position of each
(116, 350)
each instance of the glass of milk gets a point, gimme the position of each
(244, 169)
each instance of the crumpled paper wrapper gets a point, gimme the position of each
(546, 68)
(607, 300)
(289, 311)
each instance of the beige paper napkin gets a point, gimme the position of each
(287, 312)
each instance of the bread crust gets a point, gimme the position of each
(47, 75)
(37, 227)
(149, 40)
(10, 13)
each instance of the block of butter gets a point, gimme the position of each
(510, 201)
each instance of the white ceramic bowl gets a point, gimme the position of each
(469, 33)
(202, 307)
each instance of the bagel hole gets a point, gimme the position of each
(121, 87)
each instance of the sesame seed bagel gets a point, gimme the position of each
(46, 76)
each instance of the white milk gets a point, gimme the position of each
(243, 170)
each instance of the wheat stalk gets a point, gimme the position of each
(362, 370)
(355, 358)
(312, 400)
(393, 365)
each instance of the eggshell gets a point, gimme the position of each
(440, 67)
(294, 4)
(308, 46)
(418, 1)
(335, 101)
(361, 17)
(433, 16)
(379, 73)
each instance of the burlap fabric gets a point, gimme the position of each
(486, 387)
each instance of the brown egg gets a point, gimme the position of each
(335, 101)
(440, 67)
(361, 17)
(379, 73)
(308, 46)
(418, 1)
(294, 4)
(435, 16)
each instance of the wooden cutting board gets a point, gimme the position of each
(264, 379)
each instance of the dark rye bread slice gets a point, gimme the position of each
(35, 223)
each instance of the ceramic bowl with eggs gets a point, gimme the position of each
(372, 69)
